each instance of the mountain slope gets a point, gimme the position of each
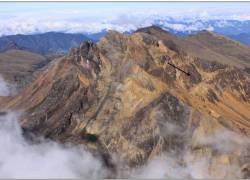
(47, 43)
(17, 66)
(233, 52)
(207, 46)
(121, 97)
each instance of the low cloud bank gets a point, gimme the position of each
(21, 159)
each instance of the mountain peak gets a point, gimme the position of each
(113, 33)
(139, 99)
(205, 34)
(152, 29)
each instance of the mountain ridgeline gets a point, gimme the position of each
(128, 99)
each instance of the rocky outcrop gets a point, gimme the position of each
(121, 97)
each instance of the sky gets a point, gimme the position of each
(16, 7)
(93, 17)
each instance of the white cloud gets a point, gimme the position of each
(20, 158)
(120, 19)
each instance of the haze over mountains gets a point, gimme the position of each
(244, 38)
(123, 100)
(47, 43)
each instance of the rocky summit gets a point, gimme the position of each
(132, 98)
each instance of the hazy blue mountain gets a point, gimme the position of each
(47, 43)
(244, 38)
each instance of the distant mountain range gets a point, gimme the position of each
(190, 26)
(61, 43)
(234, 29)
(244, 38)
(47, 43)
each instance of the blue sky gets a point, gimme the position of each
(17, 7)
(33, 17)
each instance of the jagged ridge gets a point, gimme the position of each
(123, 91)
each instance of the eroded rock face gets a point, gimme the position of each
(120, 96)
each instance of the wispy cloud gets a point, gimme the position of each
(6, 89)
